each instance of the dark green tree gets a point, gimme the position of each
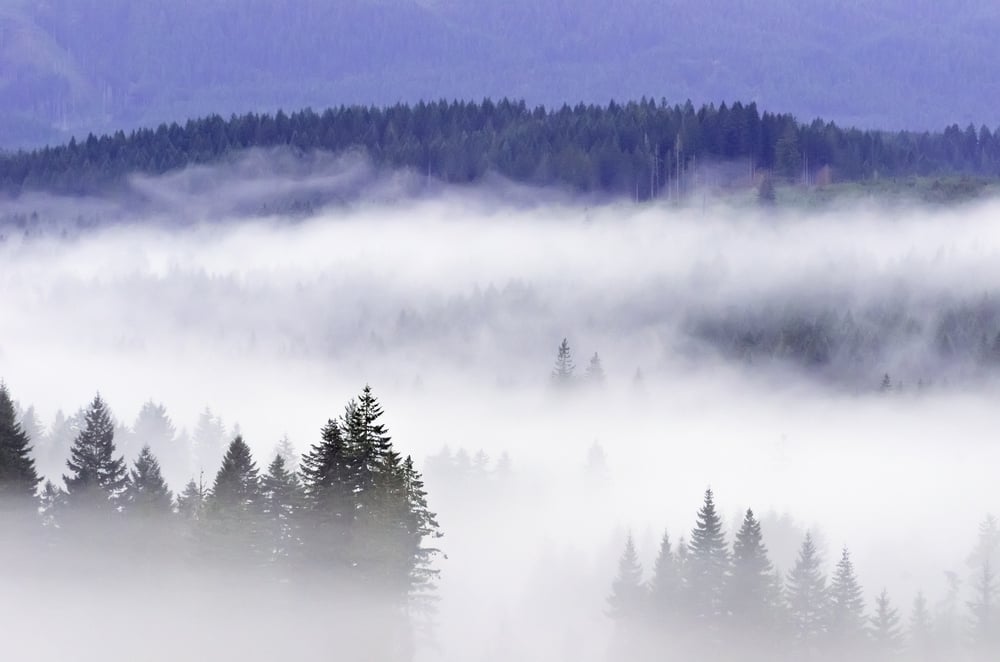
(18, 477)
(97, 478)
(146, 493)
(233, 507)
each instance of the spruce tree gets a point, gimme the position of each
(97, 478)
(595, 371)
(328, 478)
(153, 428)
(665, 585)
(749, 596)
(847, 621)
(628, 596)
(562, 372)
(234, 505)
(191, 502)
(208, 442)
(18, 476)
(146, 493)
(422, 527)
(707, 565)
(984, 607)
(807, 597)
(282, 497)
(920, 636)
(286, 450)
(886, 635)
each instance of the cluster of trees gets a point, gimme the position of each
(845, 344)
(564, 371)
(355, 511)
(645, 149)
(714, 600)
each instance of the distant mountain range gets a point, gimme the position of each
(68, 67)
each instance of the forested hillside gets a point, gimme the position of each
(643, 149)
(72, 66)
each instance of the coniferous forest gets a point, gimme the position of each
(640, 149)
(351, 516)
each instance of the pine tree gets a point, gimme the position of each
(146, 493)
(595, 371)
(97, 478)
(920, 635)
(748, 591)
(234, 505)
(422, 527)
(665, 585)
(628, 596)
(707, 565)
(153, 428)
(207, 439)
(984, 560)
(286, 450)
(53, 499)
(806, 597)
(885, 629)
(562, 373)
(191, 502)
(18, 476)
(846, 623)
(282, 498)
(328, 480)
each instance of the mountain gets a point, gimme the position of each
(68, 67)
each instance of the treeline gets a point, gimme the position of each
(707, 599)
(642, 149)
(355, 513)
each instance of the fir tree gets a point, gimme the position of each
(749, 592)
(191, 502)
(885, 629)
(665, 584)
(562, 373)
(207, 440)
(18, 477)
(153, 428)
(707, 564)
(806, 597)
(52, 500)
(282, 498)
(846, 624)
(984, 608)
(146, 493)
(286, 450)
(920, 636)
(628, 597)
(595, 371)
(97, 478)
(422, 526)
(234, 505)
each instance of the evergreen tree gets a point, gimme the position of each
(886, 635)
(328, 479)
(562, 373)
(665, 585)
(18, 477)
(282, 497)
(628, 596)
(191, 502)
(207, 440)
(749, 595)
(595, 371)
(421, 526)
(707, 565)
(920, 635)
(766, 194)
(286, 450)
(234, 504)
(146, 493)
(846, 624)
(806, 597)
(97, 478)
(984, 608)
(153, 428)
(52, 500)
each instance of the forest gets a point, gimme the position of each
(640, 150)
(708, 600)
(351, 514)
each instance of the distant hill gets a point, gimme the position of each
(73, 66)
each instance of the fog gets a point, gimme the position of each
(451, 303)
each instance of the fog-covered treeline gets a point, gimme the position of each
(643, 149)
(353, 516)
(709, 598)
